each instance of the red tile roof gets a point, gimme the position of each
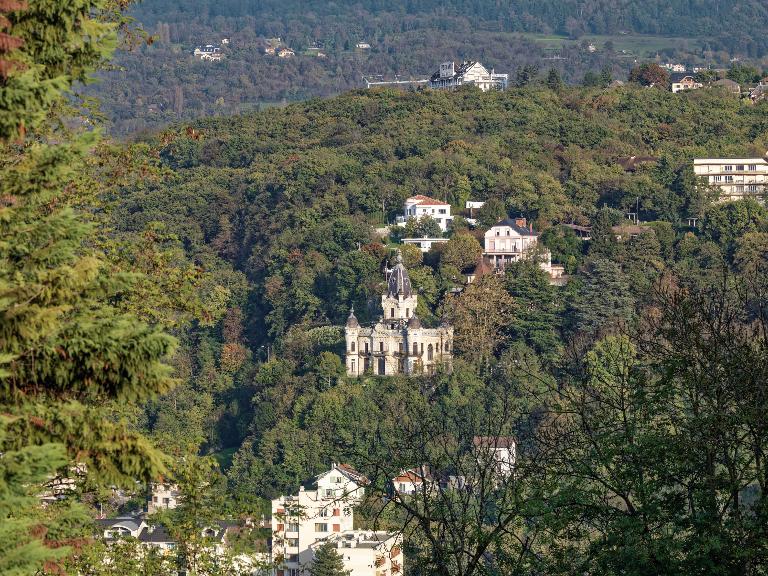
(427, 201)
(496, 442)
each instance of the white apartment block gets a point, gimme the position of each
(472, 73)
(737, 178)
(299, 521)
(419, 206)
(368, 553)
(512, 240)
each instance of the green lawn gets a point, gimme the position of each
(638, 45)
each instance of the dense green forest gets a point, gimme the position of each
(275, 212)
(274, 206)
(162, 82)
(171, 308)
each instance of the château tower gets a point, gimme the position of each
(397, 343)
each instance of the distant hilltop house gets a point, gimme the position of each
(285, 52)
(397, 343)
(737, 178)
(681, 82)
(419, 206)
(363, 46)
(163, 497)
(512, 240)
(208, 52)
(759, 92)
(674, 67)
(471, 73)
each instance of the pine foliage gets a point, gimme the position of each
(328, 562)
(67, 349)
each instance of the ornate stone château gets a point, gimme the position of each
(397, 343)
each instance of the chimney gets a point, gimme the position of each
(520, 222)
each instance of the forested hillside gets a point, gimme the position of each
(162, 82)
(670, 18)
(278, 203)
(171, 313)
(266, 220)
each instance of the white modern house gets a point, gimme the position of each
(737, 178)
(472, 73)
(419, 206)
(300, 520)
(368, 553)
(512, 240)
(121, 527)
(208, 52)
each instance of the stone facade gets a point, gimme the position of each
(397, 343)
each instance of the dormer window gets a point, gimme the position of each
(497, 232)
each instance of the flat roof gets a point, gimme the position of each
(730, 161)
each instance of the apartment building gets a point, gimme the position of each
(298, 521)
(737, 178)
(368, 553)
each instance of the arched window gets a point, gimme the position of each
(391, 312)
(430, 355)
(415, 348)
(407, 312)
(447, 347)
(381, 346)
(352, 346)
(366, 347)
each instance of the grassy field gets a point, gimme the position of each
(636, 45)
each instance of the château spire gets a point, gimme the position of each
(351, 320)
(398, 281)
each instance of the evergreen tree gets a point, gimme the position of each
(538, 308)
(328, 562)
(605, 298)
(554, 81)
(68, 352)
